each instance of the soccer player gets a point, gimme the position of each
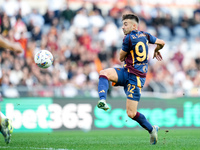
(132, 76)
(6, 124)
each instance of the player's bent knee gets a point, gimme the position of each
(103, 72)
(131, 114)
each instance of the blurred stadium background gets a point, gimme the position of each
(85, 37)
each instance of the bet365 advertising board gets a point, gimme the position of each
(49, 114)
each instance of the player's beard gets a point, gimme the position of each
(125, 32)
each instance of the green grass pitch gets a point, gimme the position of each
(179, 139)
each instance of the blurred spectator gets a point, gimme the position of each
(23, 41)
(10, 7)
(197, 10)
(55, 6)
(185, 22)
(168, 22)
(96, 8)
(36, 18)
(178, 56)
(109, 34)
(81, 19)
(142, 10)
(85, 40)
(68, 14)
(36, 33)
(96, 20)
(23, 7)
(196, 18)
(197, 60)
(5, 25)
(67, 37)
(114, 13)
(48, 17)
(19, 28)
(16, 74)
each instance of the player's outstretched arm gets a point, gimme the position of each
(16, 47)
(160, 44)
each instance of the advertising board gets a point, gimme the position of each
(48, 114)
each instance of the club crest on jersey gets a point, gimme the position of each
(144, 69)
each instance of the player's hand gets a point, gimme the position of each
(157, 55)
(17, 48)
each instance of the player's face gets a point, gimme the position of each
(128, 26)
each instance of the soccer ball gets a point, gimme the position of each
(43, 58)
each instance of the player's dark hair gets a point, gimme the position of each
(130, 16)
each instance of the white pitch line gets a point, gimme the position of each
(33, 148)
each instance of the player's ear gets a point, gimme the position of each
(134, 26)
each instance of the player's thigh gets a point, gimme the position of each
(110, 73)
(131, 107)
